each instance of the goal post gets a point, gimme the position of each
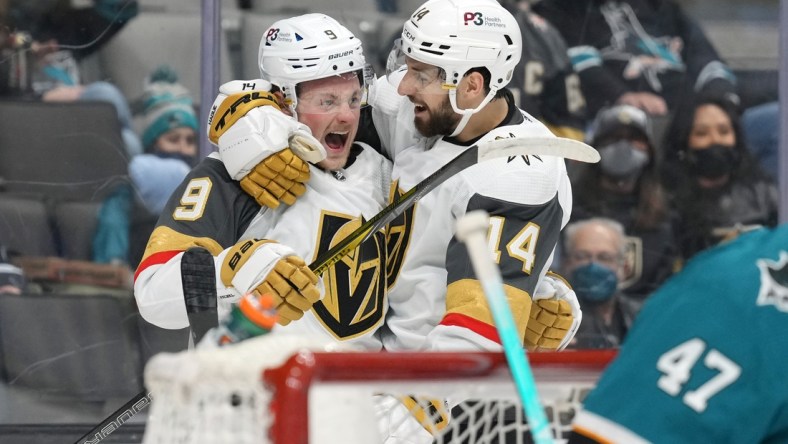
(278, 389)
(441, 372)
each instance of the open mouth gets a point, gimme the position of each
(419, 109)
(336, 141)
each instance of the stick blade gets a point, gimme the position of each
(543, 146)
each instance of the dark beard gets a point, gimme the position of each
(441, 122)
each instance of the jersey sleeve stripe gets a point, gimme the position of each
(481, 328)
(161, 257)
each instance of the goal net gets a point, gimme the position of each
(291, 389)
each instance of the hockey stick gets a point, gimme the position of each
(472, 230)
(509, 147)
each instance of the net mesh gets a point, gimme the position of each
(285, 389)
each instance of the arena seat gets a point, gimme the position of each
(62, 151)
(25, 226)
(84, 347)
(155, 38)
(58, 163)
(76, 222)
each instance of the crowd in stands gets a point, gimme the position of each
(682, 168)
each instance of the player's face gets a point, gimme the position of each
(711, 126)
(178, 141)
(331, 108)
(433, 113)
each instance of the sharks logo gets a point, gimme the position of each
(355, 300)
(646, 56)
(774, 282)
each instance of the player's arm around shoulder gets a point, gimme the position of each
(260, 143)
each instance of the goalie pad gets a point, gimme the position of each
(264, 267)
(555, 315)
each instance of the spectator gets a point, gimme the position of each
(594, 264)
(48, 38)
(81, 27)
(626, 187)
(645, 53)
(169, 137)
(718, 187)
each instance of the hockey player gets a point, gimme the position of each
(706, 358)
(215, 243)
(453, 62)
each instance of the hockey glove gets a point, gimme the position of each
(263, 267)
(257, 142)
(555, 315)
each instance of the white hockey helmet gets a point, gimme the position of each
(308, 47)
(458, 35)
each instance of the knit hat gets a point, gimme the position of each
(166, 105)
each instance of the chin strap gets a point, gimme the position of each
(466, 113)
(466, 116)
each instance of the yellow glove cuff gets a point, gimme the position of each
(235, 106)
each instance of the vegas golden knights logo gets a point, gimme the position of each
(355, 299)
(398, 235)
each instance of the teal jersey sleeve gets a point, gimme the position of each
(707, 356)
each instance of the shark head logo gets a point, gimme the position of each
(774, 282)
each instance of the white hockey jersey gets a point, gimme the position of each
(435, 303)
(354, 304)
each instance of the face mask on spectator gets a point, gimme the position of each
(712, 162)
(594, 283)
(621, 160)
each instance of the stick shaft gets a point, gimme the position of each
(492, 284)
(546, 146)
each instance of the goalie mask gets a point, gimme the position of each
(312, 47)
(456, 36)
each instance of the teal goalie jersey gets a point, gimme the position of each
(706, 359)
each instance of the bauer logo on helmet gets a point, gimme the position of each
(341, 54)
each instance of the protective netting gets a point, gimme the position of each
(218, 396)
